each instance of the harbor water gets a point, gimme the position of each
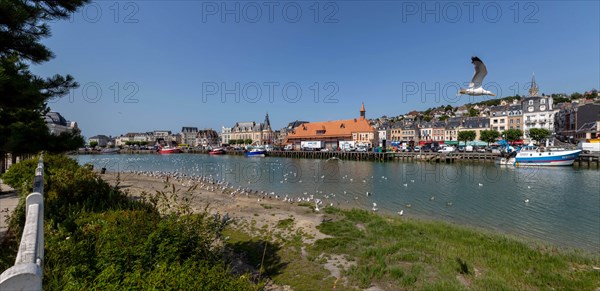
(559, 205)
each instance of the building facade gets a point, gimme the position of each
(331, 133)
(538, 111)
(188, 135)
(57, 124)
(259, 133)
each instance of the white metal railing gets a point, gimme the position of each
(26, 274)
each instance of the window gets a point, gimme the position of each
(543, 107)
(320, 131)
(530, 108)
(530, 102)
(518, 121)
(543, 101)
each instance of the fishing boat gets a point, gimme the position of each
(256, 152)
(169, 150)
(217, 151)
(534, 156)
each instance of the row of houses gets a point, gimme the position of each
(574, 121)
(189, 136)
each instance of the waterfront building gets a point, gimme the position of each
(188, 135)
(101, 140)
(538, 111)
(282, 136)
(515, 116)
(331, 133)
(476, 124)
(161, 137)
(57, 124)
(499, 118)
(144, 137)
(451, 129)
(395, 130)
(225, 135)
(577, 121)
(206, 138)
(259, 133)
(161, 134)
(432, 131)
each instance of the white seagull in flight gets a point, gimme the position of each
(475, 88)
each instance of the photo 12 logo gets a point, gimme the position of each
(269, 11)
(253, 92)
(116, 12)
(93, 92)
(469, 11)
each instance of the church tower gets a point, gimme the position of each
(534, 90)
(267, 133)
(362, 110)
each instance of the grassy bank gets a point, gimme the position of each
(394, 253)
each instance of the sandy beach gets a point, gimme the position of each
(243, 206)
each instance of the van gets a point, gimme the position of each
(288, 147)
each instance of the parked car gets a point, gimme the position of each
(461, 149)
(361, 149)
(469, 149)
(480, 150)
(447, 149)
(417, 148)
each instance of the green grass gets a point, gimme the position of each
(430, 255)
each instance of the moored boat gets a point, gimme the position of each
(534, 156)
(110, 151)
(256, 153)
(169, 150)
(217, 151)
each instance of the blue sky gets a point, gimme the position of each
(166, 64)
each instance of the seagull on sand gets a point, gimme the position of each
(475, 88)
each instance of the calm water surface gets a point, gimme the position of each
(563, 205)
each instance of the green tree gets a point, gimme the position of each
(576, 95)
(248, 141)
(24, 96)
(467, 135)
(473, 112)
(513, 134)
(443, 118)
(93, 144)
(538, 134)
(489, 135)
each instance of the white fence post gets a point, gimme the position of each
(26, 274)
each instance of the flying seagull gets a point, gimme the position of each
(475, 88)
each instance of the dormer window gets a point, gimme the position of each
(320, 131)
(342, 126)
(530, 102)
(543, 101)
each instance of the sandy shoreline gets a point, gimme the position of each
(262, 209)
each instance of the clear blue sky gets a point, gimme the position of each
(358, 51)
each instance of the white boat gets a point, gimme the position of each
(534, 156)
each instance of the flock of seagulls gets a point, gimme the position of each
(212, 183)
